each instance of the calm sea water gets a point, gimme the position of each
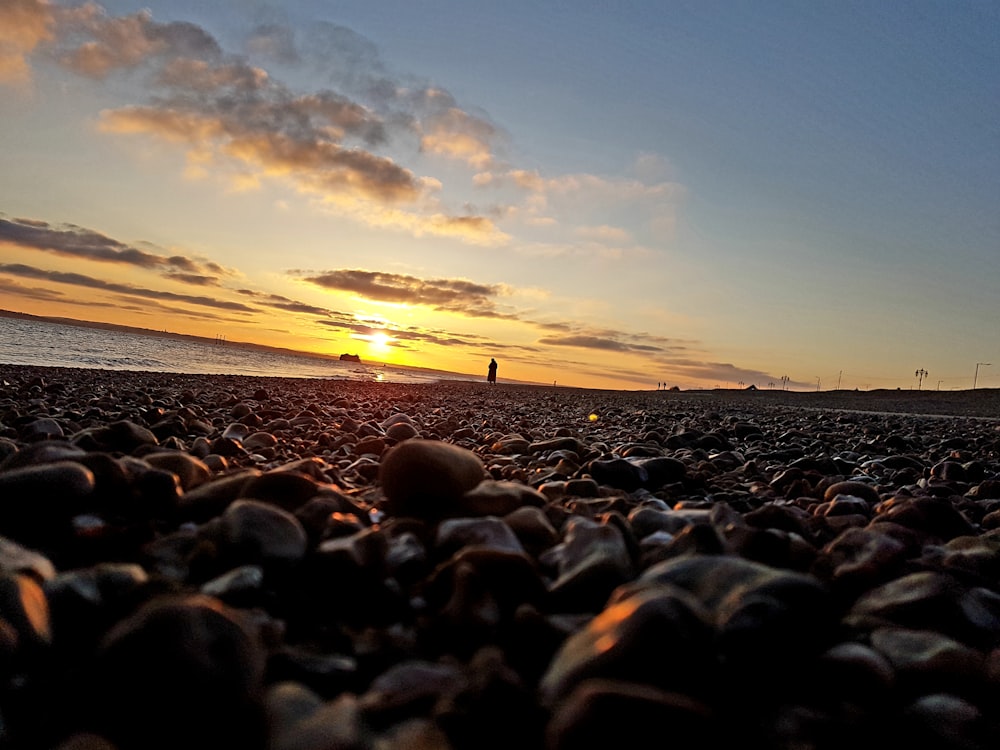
(42, 343)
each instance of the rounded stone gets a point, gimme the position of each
(401, 431)
(257, 532)
(190, 471)
(427, 478)
(37, 501)
(179, 673)
(609, 713)
(854, 489)
(492, 498)
(661, 637)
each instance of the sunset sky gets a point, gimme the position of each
(610, 195)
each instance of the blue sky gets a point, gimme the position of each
(616, 196)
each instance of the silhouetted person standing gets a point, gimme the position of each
(492, 377)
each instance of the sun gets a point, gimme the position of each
(379, 341)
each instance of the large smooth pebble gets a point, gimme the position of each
(427, 478)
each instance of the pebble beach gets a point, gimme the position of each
(195, 561)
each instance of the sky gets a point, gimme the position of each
(635, 195)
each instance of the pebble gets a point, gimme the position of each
(428, 478)
(215, 561)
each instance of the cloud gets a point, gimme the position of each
(264, 140)
(596, 342)
(429, 111)
(482, 301)
(719, 373)
(72, 241)
(193, 279)
(96, 44)
(475, 230)
(273, 42)
(406, 338)
(24, 24)
(605, 233)
(608, 202)
(356, 326)
(234, 120)
(244, 125)
(452, 295)
(9, 286)
(89, 282)
(280, 302)
(606, 339)
(593, 189)
(459, 135)
(146, 306)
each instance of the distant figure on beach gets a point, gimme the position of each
(492, 377)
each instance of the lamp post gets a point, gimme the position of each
(976, 377)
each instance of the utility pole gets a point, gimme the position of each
(920, 375)
(839, 376)
(976, 377)
(817, 382)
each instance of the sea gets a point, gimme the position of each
(52, 344)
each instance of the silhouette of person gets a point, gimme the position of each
(492, 377)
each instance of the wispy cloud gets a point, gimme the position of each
(24, 24)
(72, 241)
(411, 338)
(452, 295)
(236, 122)
(419, 108)
(99, 43)
(41, 294)
(89, 282)
(596, 342)
(272, 140)
(147, 306)
(280, 302)
(644, 202)
(457, 134)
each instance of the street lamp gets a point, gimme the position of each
(976, 377)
